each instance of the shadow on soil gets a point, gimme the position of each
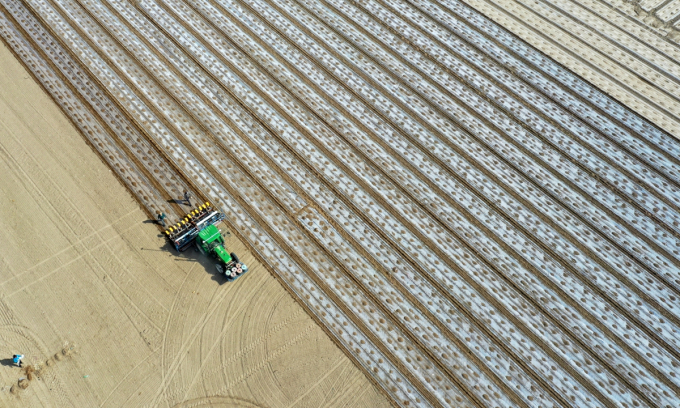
(10, 362)
(179, 201)
(190, 255)
(193, 255)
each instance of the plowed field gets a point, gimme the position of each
(82, 271)
(471, 222)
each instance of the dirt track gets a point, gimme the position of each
(81, 268)
(472, 223)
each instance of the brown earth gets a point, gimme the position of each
(81, 265)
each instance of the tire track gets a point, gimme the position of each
(371, 188)
(163, 24)
(409, 394)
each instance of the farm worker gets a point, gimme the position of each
(161, 219)
(17, 359)
(187, 198)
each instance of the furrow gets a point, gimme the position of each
(412, 157)
(217, 127)
(264, 207)
(167, 23)
(431, 39)
(144, 155)
(512, 72)
(638, 58)
(507, 48)
(587, 60)
(485, 122)
(90, 126)
(472, 223)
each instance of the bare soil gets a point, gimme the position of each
(81, 264)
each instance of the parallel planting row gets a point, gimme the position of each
(473, 224)
(629, 48)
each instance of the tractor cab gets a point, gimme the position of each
(208, 239)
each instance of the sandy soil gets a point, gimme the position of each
(91, 295)
(471, 222)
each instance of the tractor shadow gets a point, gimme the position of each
(193, 255)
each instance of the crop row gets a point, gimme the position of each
(444, 202)
(92, 126)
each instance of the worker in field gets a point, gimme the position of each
(187, 198)
(161, 218)
(17, 359)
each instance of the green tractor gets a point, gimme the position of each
(210, 242)
(199, 228)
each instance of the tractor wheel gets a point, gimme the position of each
(220, 269)
(234, 257)
(200, 248)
